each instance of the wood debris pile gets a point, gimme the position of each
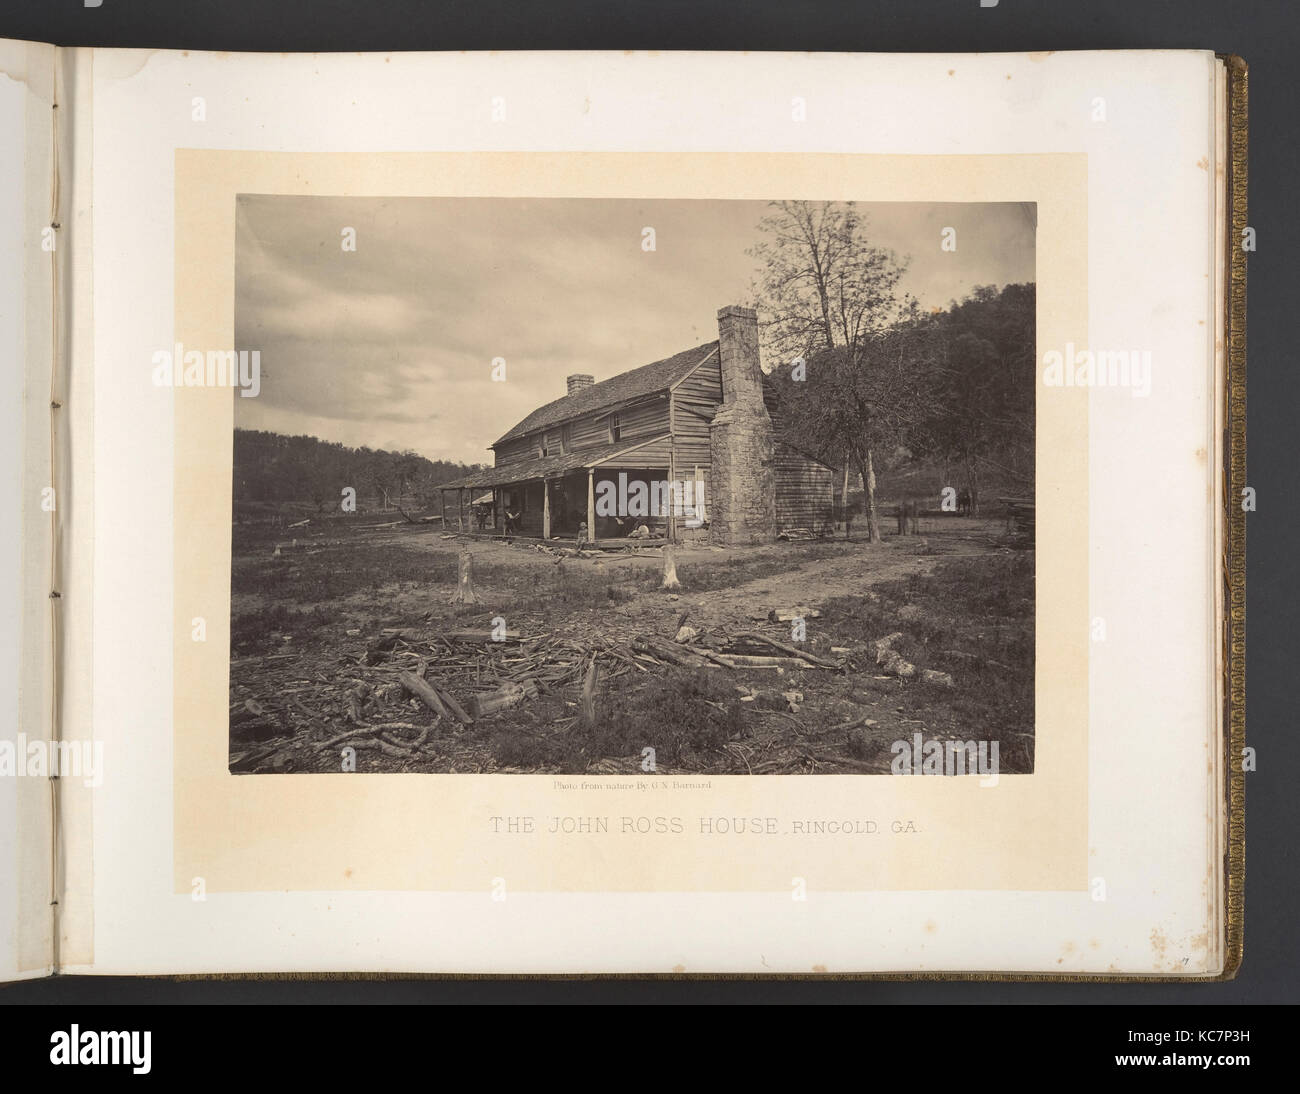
(403, 694)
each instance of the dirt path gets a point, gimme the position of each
(809, 583)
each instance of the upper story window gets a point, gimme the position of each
(615, 428)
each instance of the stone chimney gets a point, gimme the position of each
(742, 479)
(578, 381)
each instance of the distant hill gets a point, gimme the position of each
(274, 472)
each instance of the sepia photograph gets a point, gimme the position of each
(611, 486)
(767, 514)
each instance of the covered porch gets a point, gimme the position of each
(612, 493)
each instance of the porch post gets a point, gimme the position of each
(591, 505)
(674, 497)
(546, 508)
(460, 508)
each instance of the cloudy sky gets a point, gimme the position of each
(391, 346)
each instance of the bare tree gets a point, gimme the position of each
(828, 295)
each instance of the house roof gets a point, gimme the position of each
(546, 466)
(646, 380)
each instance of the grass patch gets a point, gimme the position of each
(973, 618)
(334, 572)
(259, 631)
(684, 715)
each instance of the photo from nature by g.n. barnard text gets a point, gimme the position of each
(611, 486)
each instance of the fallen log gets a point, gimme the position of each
(509, 694)
(794, 651)
(481, 636)
(716, 658)
(457, 710)
(424, 691)
(750, 661)
(785, 615)
(679, 655)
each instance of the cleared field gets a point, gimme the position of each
(328, 637)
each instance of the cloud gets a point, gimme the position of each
(393, 344)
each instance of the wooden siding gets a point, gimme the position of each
(655, 455)
(695, 400)
(644, 420)
(513, 451)
(805, 492)
(588, 432)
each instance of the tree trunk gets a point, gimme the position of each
(587, 708)
(670, 568)
(844, 498)
(972, 484)
(869, 486)
(465, 593)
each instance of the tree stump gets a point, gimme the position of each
(465, 593)
(587, 708)
(670, 568)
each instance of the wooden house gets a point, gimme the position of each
(687, 446)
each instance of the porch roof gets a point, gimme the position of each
(547, 467)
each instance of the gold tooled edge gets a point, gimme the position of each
(1235, 562)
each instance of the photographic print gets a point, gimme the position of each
(612, 486)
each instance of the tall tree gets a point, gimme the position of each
(829, 296)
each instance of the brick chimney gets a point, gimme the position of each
(578, 381)
(742, 479)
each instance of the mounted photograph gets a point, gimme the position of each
(633, 487)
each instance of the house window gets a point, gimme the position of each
(615, 428)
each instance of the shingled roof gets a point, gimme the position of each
(645, 380)
(546, 466)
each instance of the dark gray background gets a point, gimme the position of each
(1265, 33)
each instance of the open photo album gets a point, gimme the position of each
(623, 514)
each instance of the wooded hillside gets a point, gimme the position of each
(273, 471)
